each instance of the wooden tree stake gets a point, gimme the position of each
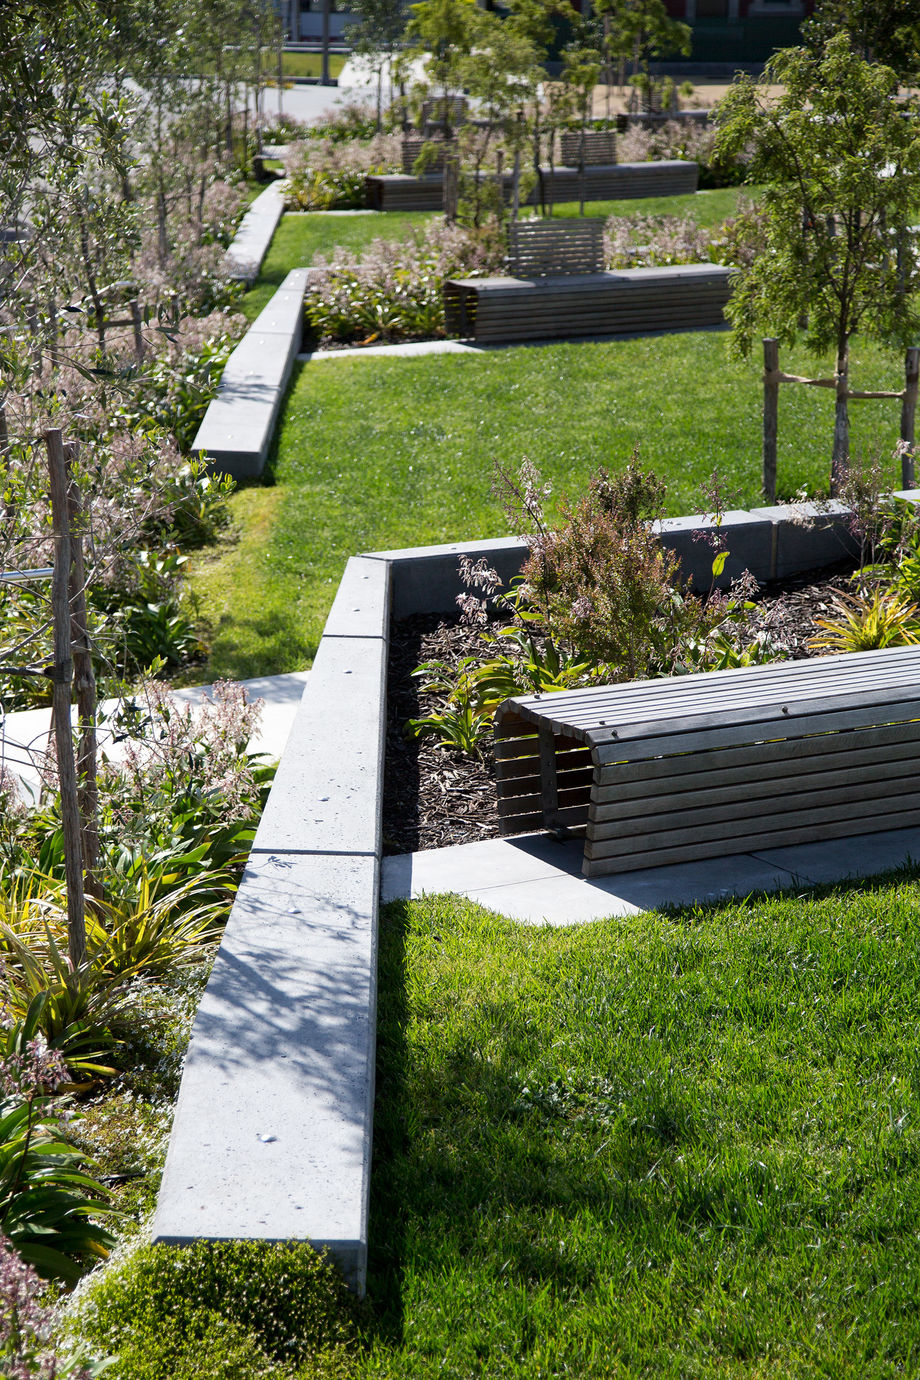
(908, 413)
(63, 675)
(770, 416)
(84, 684)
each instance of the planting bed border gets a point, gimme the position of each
(273, 1129)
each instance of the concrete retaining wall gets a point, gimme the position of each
(237, 429)
(273, 1129)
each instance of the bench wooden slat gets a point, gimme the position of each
(702, 848)
(755, 832)
(634, 780)
(780, 799)
(713, 760)
(594, 147)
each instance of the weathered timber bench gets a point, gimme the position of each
(674, 770)
(608, 182)
(597, 147)
(565, 306)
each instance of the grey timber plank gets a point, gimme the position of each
(717, 848)
(747, 827)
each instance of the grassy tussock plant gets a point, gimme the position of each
(394, 289)
(229, 1310)
(867, 622)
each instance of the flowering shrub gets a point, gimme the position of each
(686, 139)
(395, 289)
(323, 175)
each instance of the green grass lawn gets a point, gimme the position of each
(679, 1145)
(304, 65)
(706, 208)
(377, 453)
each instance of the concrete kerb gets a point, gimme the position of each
(250, 244)
(273, 1129)
(237, 429)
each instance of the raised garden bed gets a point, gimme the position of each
(273, 1130)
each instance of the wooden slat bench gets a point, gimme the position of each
(617, 181)
(599, 147)
(566, 306)
(540, 248)
(674, 770)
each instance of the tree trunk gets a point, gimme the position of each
(840, 459)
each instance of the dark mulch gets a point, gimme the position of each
(434, 796)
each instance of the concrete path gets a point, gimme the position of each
(537, 881)
(24, 735)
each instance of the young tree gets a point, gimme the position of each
(378, 31)
(839, 157)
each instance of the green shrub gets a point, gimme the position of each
(226, 1310)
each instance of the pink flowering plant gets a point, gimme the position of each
(323, 175)
(27, 1325)
(394, 291)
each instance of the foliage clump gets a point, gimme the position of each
(230, 1310)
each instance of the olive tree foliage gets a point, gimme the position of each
(838, 155)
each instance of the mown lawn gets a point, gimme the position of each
(378, 453)
(671, 1145)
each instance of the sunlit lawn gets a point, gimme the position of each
(377, 453)
(669, 1145)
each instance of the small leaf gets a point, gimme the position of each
(718, 564)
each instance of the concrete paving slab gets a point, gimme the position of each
(272, 1133)
(840, 860)
(326, 794)
(410, 348)
(536, 880)
(24, 735)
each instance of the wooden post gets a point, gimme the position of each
(63, 675)
(84, 683)
(137, 323)
(908, 413)
(770, 416)
(451, 184)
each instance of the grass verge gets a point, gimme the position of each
(377, 453)
(668, 1145)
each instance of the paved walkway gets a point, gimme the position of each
(24, 735)
(534, 879)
